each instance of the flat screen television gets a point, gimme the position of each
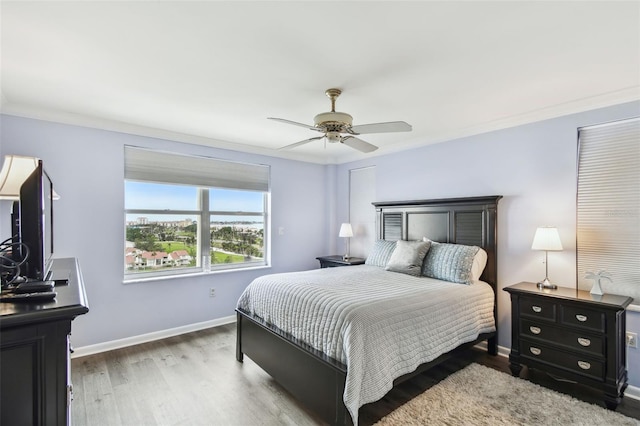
(36, 223)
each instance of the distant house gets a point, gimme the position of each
(154, 259)
(132, 259)
(129, 261)
(137, 259)
(180, 257)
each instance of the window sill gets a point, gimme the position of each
(194, 274)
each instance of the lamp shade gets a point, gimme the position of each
(15, 170)
(547, 238)
(345, 230)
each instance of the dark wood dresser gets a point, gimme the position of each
(34, 353)
(571, 334)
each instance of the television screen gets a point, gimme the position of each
(36, 223)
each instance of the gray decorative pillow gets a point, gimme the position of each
(450, 262)
(408, 256)
(381, 253)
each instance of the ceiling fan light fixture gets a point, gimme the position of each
(333, 137)
(325, 118)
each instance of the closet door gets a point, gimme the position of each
(362, 214)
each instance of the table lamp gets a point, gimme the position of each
(15, 170)
(346, 232)
(547, 239)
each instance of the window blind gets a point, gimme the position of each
(608, 205)
(164, 167)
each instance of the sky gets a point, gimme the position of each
(155, 196)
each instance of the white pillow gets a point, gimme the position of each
(407, 257)
(479, 262)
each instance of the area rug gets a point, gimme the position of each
(478, 395)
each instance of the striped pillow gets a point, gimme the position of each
(450, 262)
(381, 253)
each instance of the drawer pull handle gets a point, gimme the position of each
(581, 318)
(584, 365)
(535, 330)
(535, 351)
(584, 342)
(536, 309)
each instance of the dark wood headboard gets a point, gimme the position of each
(469, 221)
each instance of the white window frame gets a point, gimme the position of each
(136, 161)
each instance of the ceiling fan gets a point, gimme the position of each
(333, 124)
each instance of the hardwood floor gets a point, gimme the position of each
(194, 379)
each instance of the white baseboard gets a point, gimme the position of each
(163, 334)
(632, 392)
(502, 351)
(149, 337)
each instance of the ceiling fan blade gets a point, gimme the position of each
(358, 144)
(293, 145)
(391, 126)
(306, 126)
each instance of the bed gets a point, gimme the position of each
(338, 338)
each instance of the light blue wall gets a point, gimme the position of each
(87, 168)
(533, 166)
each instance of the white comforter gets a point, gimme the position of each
(380, 324)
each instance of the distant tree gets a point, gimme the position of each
(143, 238)
(133, 233)
(149, 243)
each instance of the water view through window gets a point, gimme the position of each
(163, 232)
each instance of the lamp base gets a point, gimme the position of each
(546, 284)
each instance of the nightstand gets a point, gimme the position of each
(333, 261)
(571, 334)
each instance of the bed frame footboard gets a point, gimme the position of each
(316, 380)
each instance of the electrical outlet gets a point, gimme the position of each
(632, 339)
(212, 292)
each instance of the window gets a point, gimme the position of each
(188, 214)
(608, 222)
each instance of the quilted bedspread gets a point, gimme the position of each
(380, 324)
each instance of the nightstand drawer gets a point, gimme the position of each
(583, 318)
(585, 366)
(582, 342)
(538, 308)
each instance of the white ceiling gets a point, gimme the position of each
(211, 72)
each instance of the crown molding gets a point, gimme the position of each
(629, 94)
